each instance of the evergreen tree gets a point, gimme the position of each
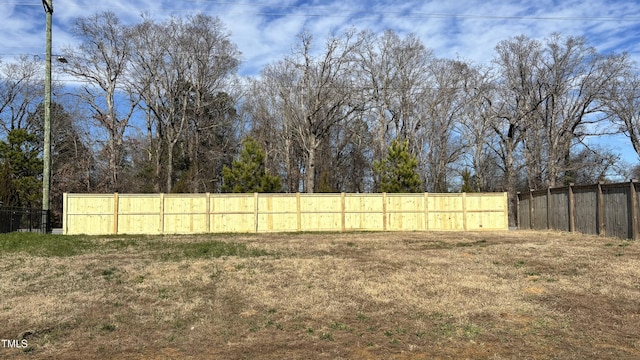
(398, 170)
(247, 174)
(21, 169)
(467, 182)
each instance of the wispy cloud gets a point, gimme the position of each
(266, 30)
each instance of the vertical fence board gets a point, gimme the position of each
(572, 216)
(616, 210)
(558, 213)
(277, 213)
(89, 214)
(539, 218)
(585, 200)
(524, 211)
(362, 212)
(633, 210)
(137, 214)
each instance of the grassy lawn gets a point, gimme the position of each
(494, 295)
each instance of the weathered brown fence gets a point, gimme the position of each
(211, 213)
(603, 209)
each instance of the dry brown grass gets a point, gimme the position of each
(498, 295)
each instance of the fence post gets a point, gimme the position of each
(65, 212)
(212, 224)
(115, 213)
(342, 209)
(572, 212)
(634, 209)
(600, 211)
(426, 211)
(464, 211)
(298, 215)
(255, 210)
(384, 211)
(532, 214)
(548, 207)
(207, 203)
(161, 214)
(518, 224)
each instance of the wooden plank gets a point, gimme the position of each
(518, 216)
(65, 213)
(342, 214)
(548, 208)
(115, 213)
(298, 212)
(384, 211)
(600, 211)
(572, 212)
(208, 213)
(426, 211)
(255, 211)
(161, 214)
(464, 211)
(532, 214)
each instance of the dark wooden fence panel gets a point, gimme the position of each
(540, 210)
(585, 209)
(559, 209)
(524, 217)
(604, 209)
(616, 211)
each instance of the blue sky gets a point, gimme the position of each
(265, 30)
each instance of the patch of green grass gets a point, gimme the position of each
(47, 245)
(163, 293)
(108, 273)
(362, 317)
(209, 250)
(327, 336)
(471, 330)
(44, 244)
(108, 328)
(339, 326)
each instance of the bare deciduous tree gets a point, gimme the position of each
(623, 105)
(21, 88)
(323, 95)
(100, 63)
(179, 68)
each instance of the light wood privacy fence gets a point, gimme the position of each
(214, 213)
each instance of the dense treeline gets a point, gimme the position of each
(158, 106)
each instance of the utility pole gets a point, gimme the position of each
(46, 176)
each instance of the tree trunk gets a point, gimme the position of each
(169, 183)
(310, 173)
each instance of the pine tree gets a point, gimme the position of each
(398, 170)
(21, 169)
(467, 182)
(247, 174)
